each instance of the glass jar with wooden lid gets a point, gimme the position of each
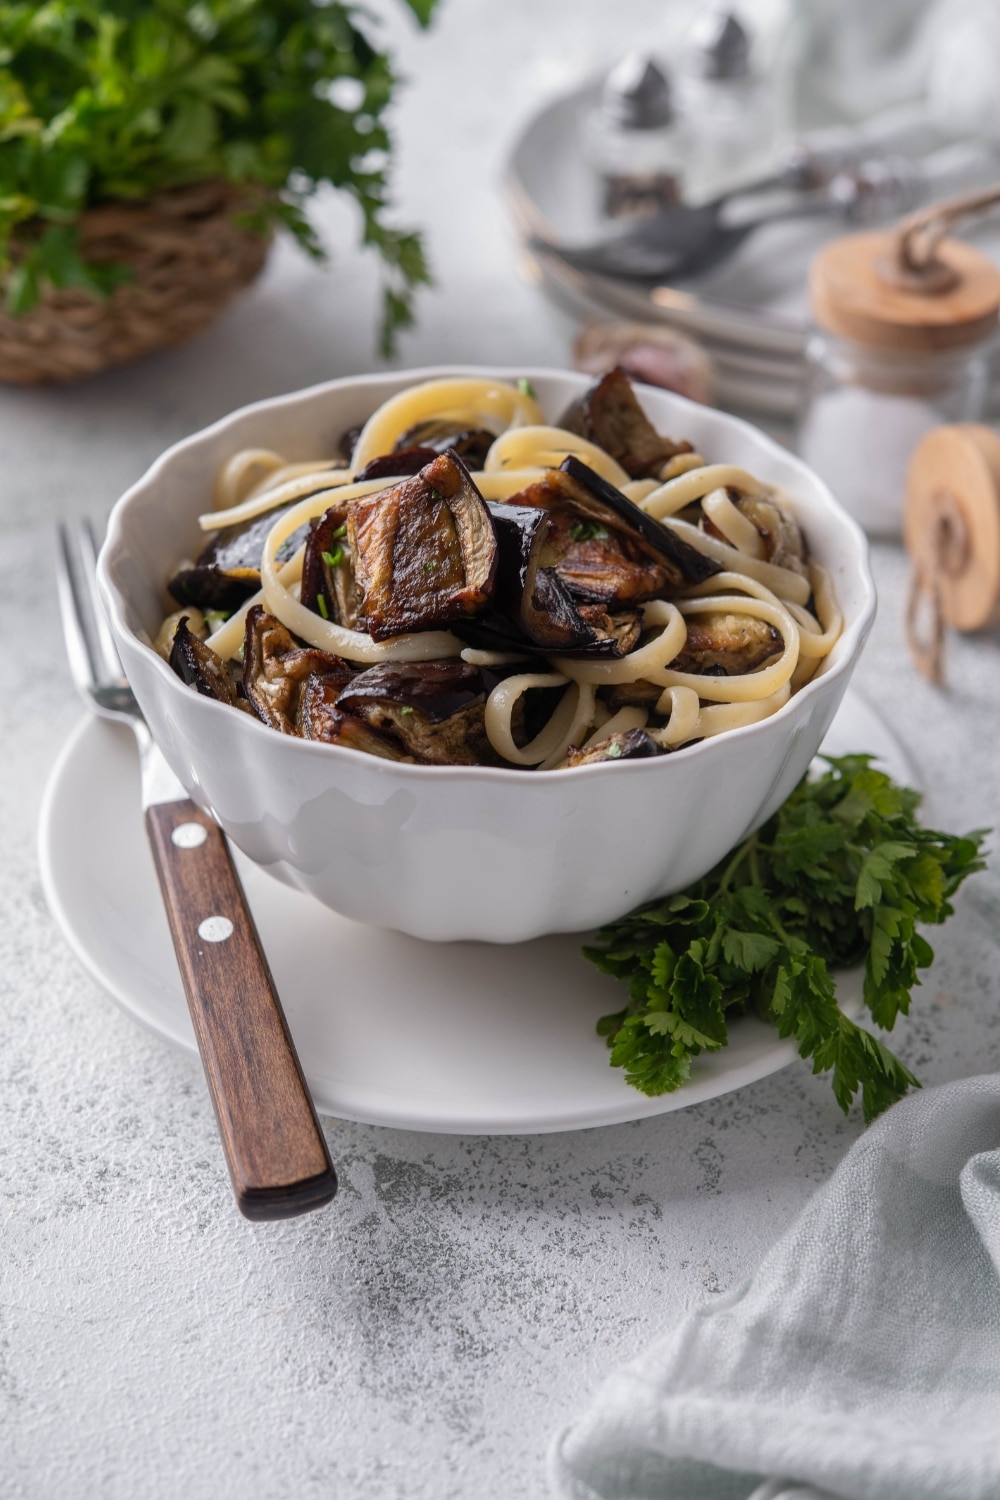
(907, 333)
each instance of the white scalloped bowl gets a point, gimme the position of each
(449, 852)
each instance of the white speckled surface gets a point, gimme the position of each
(423, 1336)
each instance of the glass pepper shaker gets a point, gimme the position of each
(634, 141)
(907, 330)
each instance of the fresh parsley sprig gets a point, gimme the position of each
(841, 874)
(116, 99)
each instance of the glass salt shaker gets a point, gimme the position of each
(731, 109)
(907, 331)
(634, 141)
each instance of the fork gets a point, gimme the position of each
(274, 1147)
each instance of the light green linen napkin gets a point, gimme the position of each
(862, 1360)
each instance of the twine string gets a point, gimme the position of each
(942, 555)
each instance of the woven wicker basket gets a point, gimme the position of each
(188, 256)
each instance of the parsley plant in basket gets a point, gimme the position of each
(116, 103)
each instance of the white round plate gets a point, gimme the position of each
(458, 1037)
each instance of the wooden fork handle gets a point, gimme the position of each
(275, 1150)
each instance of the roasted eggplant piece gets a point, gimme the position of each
(723, 645)
(422, 444)
(443, 535)
(200, 667)
(638, 694)
(555, 621)
(471, 445)
(686, 564)
(609, 415)
(424, 552)
(212, 587)
(227, 570)
(717, 645)
(633, 744)
(328, 569)
(434, 709)
(603, 547)
(784, 544)
(597, 557)
(319, 718)
(397, 465)
(348, 441)
(276, 669)
(534, 612)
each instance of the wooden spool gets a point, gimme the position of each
(951, 528)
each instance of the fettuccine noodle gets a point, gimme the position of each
(468, 403)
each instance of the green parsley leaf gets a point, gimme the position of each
(422, 9)
(588, 531)
(749, 950)
(842, 873)
(526, 388)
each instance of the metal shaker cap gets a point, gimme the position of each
(720, 45)
(637, 94)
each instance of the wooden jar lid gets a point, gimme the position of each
(952, 523)
(852, 296)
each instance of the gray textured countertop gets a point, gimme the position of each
(424, 1336)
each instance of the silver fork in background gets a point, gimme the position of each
(274, 1147)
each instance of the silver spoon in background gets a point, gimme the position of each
(682, 241)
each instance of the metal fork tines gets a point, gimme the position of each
(94, 661)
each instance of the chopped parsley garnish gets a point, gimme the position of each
(841, 874)
(333, 559)
(526, 388)
(588, 531)
(430, 567)
(613, 752)
(321, 606)
(406, 709)
(216, 617)
(341, 531)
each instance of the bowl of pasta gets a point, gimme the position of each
(485, 654)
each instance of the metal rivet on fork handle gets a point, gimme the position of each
(189, 835)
